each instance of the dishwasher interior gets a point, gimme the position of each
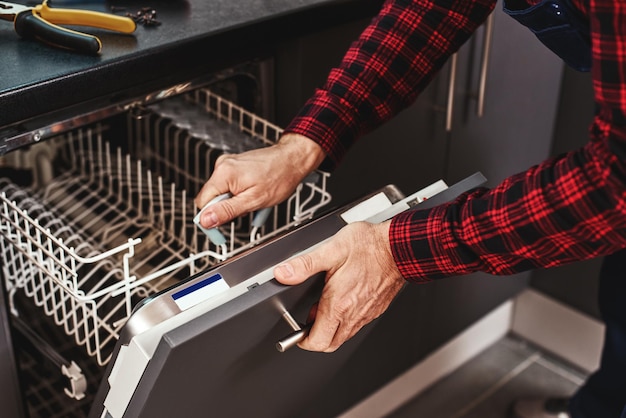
(98, 218)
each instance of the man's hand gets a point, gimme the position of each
(257, 179)
(361, 281)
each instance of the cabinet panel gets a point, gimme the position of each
(522, 91)
(515, 132)
(406, 151)
(10, 397)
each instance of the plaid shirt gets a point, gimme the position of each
(569, 208)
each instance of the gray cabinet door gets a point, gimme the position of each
(521, 99)
(515, 132)
(406, 151)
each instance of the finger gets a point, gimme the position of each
(342, 334)
(328, 332)
(299, 269)
(327, 324)
(312, 313)
(322, 334)
(208, 192)
(226, 210)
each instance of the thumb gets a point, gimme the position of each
(298, 269)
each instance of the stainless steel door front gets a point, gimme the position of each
(217, 357)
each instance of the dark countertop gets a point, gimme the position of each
(39, 82)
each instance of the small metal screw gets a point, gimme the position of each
(145, 16)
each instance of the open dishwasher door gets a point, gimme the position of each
(207, 346)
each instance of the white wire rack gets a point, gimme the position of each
(116, 226)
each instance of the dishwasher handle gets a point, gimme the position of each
(294, 338)
(484, 66)
(451, 92)
(299, 333)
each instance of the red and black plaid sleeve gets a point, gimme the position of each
(386, 68)
(566, 209)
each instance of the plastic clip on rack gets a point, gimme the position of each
(214, 234)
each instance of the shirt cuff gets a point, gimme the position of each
(330, 122)
(424, 247)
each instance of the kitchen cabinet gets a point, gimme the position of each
(516, 130)
(522, 89)
(521, 100)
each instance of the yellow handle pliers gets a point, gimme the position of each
(41, 22)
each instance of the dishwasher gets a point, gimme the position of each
(121, 306)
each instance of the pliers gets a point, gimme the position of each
(41, 22)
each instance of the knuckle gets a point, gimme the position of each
(343, 307)
(318, 347)
(223, 160)
(229, 210)
(307, 262)
(312, 344)
(256, 202)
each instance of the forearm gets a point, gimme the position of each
(563, 210)
(386, 68)
(302, 153)
(566, 209)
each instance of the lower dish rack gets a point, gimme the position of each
(109, 222)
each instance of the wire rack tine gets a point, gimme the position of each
(70, 247)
